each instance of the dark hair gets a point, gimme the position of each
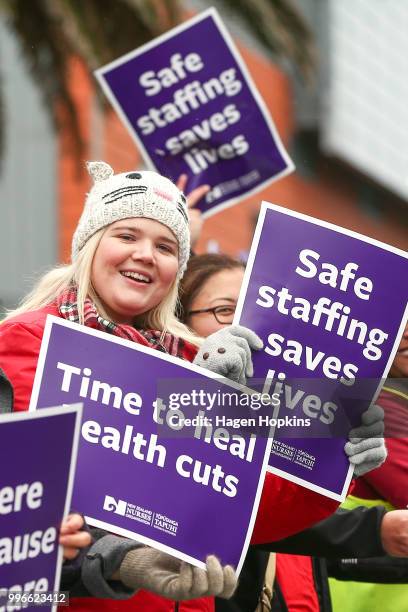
(200, 268)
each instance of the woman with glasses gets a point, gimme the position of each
(209, 292)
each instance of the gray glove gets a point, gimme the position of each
(228, 352)
(155, 571)
(366, 447)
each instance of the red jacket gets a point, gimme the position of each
(285, 508)
(294, 574)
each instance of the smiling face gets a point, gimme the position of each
(399, 368)
(221, 289)
(134, 267)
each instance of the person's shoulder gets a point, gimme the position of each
(394, 401)
(32, 319)
(394, 391)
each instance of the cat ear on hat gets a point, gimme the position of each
(99, 170)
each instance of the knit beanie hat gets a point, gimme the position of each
(133, 194)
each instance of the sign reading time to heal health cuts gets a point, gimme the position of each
(188, 495)
(191, 106)
(330, 306)
(39, 454)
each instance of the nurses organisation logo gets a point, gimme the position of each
(142, 515)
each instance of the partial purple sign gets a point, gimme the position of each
(38, 453)
(188, 495)
(330, 307)
(190, 104)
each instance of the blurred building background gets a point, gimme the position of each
(347, 134)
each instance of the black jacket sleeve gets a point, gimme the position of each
(384, 570)
(346, 533)
(88, 575)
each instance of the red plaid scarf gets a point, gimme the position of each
(166, 343)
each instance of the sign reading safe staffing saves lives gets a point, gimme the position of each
(39, 454)
(189, 495)
(190, 104)
(330, 306)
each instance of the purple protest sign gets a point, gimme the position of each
(330, 307)
(189, 496)
(190, 104)
(38, 463)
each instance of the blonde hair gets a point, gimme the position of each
(162, 317)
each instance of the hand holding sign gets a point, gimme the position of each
(195, 215)
(155, 571)
(72, 537)
(228, 352)
(366, 449)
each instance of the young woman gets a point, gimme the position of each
(209, 292)
(129, 251)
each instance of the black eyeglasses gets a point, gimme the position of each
(223, 314)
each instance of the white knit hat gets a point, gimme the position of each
(133, 194)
